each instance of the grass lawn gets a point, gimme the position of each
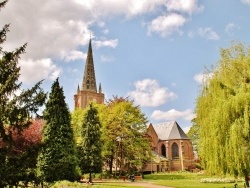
(186, 180)
(177, 180)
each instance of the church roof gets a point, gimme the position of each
(169, 131)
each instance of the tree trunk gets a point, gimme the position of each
(90, 177)
(246, 174)
(111, 164)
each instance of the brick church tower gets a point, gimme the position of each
(88, 91)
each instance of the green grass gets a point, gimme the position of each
(186, 180)
(177, 180)
(106, 184)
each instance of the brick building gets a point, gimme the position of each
(172, 150)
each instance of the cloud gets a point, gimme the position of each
(208, 33)
(172, 115)
(106, 43)
(74, 55)
(246, 1)
(185, 6)
(55, 30)
(34, 71)
(107, 58)
(149, 93)
(166, 25)
(202, 78)
(105, 31)
(186, 129)
(230, 28)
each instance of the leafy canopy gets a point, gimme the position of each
(223, 114)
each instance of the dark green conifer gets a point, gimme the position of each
(91, 146)
(16, 106)
(57, 160)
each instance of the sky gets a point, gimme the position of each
(156, 52)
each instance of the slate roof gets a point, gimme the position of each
(169, 131)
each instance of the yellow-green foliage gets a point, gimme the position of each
(222, 110)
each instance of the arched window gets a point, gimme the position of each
(163, 150)
(175, 151)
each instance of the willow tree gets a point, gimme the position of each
(223, 110)
(124, 127)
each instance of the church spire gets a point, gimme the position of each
(89, 81)
(100, 88)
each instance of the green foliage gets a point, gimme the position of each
(91, 146)
(193, 134)
(77, 117)
(15, 109)
(223, 114)
(57, 159)
(124, 128)
(61, 184)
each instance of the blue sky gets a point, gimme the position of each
(154, 51)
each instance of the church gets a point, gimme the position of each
(88, 91)
(172, 150)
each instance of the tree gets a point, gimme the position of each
(57, 159)
(193, 134)
(22, 159)
(124, 130)
(91, 146)
(223, 114)
(15, 109)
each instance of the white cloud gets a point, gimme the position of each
(33, 71)
(74, 55)
(149, 93)
(129, 8)
(246, 1)
(106, 31)
(55, 30)
(107, 58)
(106, 43)
(167, 25)
(186, 129)
(185, 6)
(172, 115)
(208, 33)
(230, 28)
(202, 78)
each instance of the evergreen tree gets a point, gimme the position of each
(15, 109)
(57, 159)
(91, 146)
(223, 115)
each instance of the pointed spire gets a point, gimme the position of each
(100, 88)
(78, 89)
(89, 81)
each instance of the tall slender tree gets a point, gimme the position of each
(15, 109)
(223, 114)
(58, 159)
(91, 147)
